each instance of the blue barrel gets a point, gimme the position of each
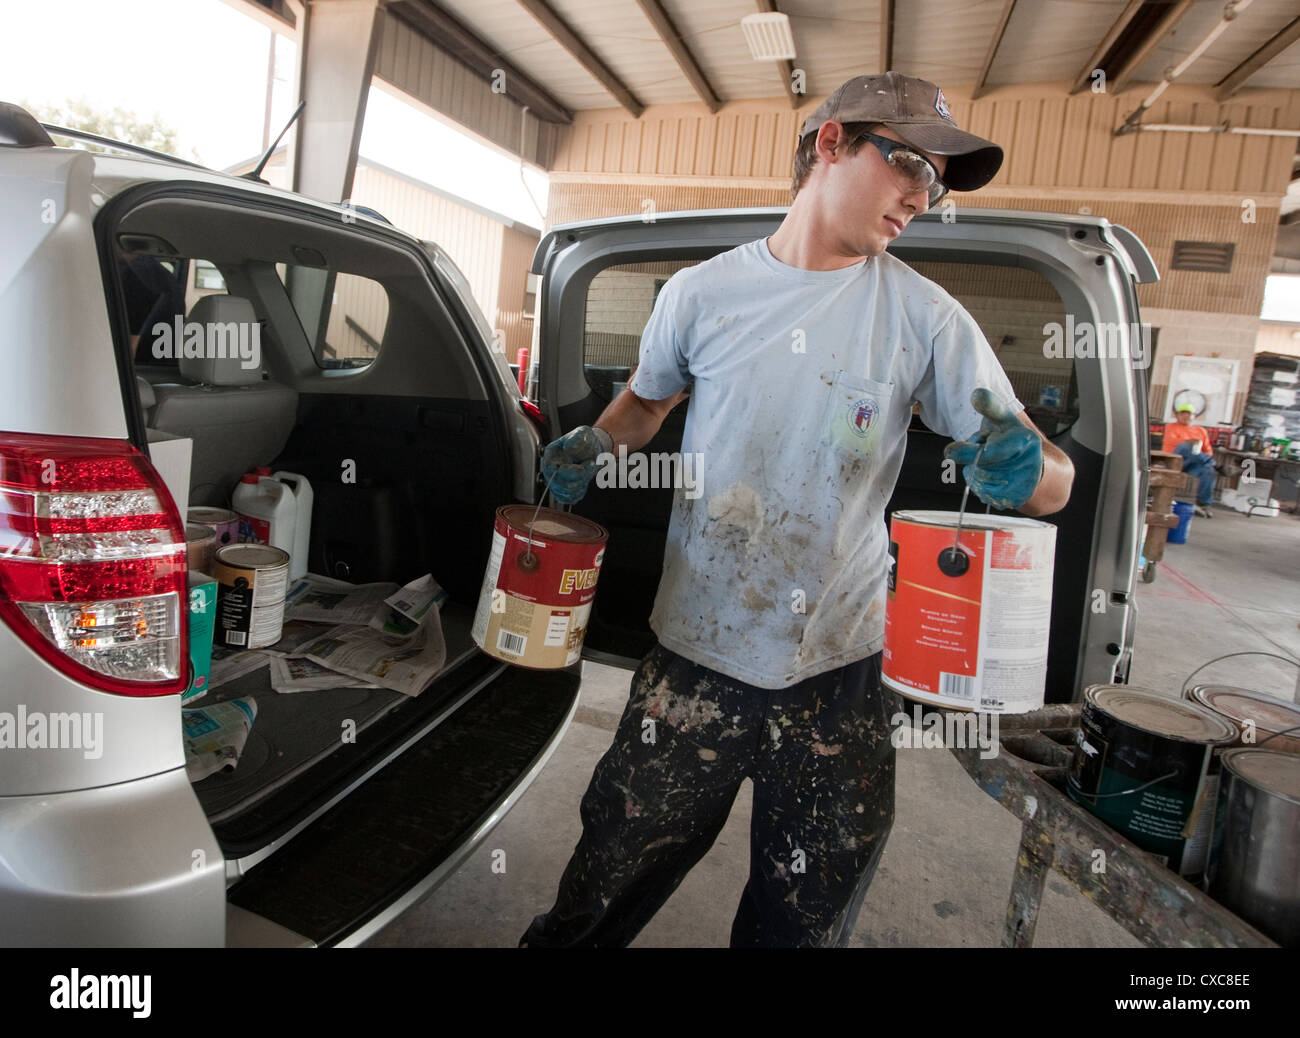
(1178, 535)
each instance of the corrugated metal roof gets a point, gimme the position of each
(1046, 41)
(1252, 28)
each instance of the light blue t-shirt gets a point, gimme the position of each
(775, 566)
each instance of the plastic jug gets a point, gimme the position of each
(302, 494)
(267, 512)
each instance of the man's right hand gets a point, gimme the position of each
(569, 463)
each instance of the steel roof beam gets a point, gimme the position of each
(994, 44)
(1234, 80)
(584, 55)
(672, 39)
(447, 34)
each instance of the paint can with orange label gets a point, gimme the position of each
(538, 587)
(967, 628)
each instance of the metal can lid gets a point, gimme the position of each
(1160, 715)
(553, 524)
(198, 532)
(1268, 713)
(252, 556)
(971, 521)
(209, 515)
(1268, 770)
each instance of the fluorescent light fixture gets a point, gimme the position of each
(769, 36)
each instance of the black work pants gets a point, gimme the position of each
(822, 764)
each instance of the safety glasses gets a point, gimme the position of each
(915, 171)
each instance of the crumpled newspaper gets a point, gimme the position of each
(214, 736)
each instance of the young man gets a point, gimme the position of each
(807, 350)
(1192, 443)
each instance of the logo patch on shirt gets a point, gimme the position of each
(861, 414)
(941, 106)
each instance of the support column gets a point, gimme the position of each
(337, 41)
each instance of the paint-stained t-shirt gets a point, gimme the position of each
(775, 565)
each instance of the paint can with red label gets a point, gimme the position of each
(538, 587)
(967, 629)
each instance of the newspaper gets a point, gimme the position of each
(340, 635)
(303, 675)
(323, 600)
(294, 635)
(215, 735)
(408, 607)
(405, 664)
(229, 664)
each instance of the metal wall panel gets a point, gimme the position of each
(1159, 226)
(489, 254)
(415, 66)
(1052, 140)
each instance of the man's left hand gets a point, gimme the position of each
(1010, 455)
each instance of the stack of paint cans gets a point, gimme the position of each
(1254, 866)
(1148, 765)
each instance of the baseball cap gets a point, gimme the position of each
(916, 110)
(1184, 407)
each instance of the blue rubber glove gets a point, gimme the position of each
(1007, 472)
(569, 463)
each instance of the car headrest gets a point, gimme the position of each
(232, 353)
(148, 398)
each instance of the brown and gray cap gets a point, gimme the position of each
(915, 110)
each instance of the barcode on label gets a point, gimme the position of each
(236, 638)
(959, 686)
(511, 643)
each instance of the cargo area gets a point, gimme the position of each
(368, 387)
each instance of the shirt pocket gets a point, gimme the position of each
(856, 413)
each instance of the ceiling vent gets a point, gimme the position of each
(769, 36)
(1212, 257)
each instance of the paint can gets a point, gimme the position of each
(252, 580)
(1252, 867)
(1148, 766)
(1261, 720)
(223, 520)
(968, 630)
(537, 591)
(200, 543)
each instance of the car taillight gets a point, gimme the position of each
(92, 562)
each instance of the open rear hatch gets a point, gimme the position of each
(347, 803)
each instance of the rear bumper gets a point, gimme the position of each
(395, 838)
(128, 865)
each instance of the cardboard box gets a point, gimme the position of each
(171, 457)
(201, 615)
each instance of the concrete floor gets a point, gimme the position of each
(946, 872)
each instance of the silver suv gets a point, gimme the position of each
(375, 378)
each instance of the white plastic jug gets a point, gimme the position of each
(302, 494)
(267, 510)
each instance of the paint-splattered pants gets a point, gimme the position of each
(822, 765)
